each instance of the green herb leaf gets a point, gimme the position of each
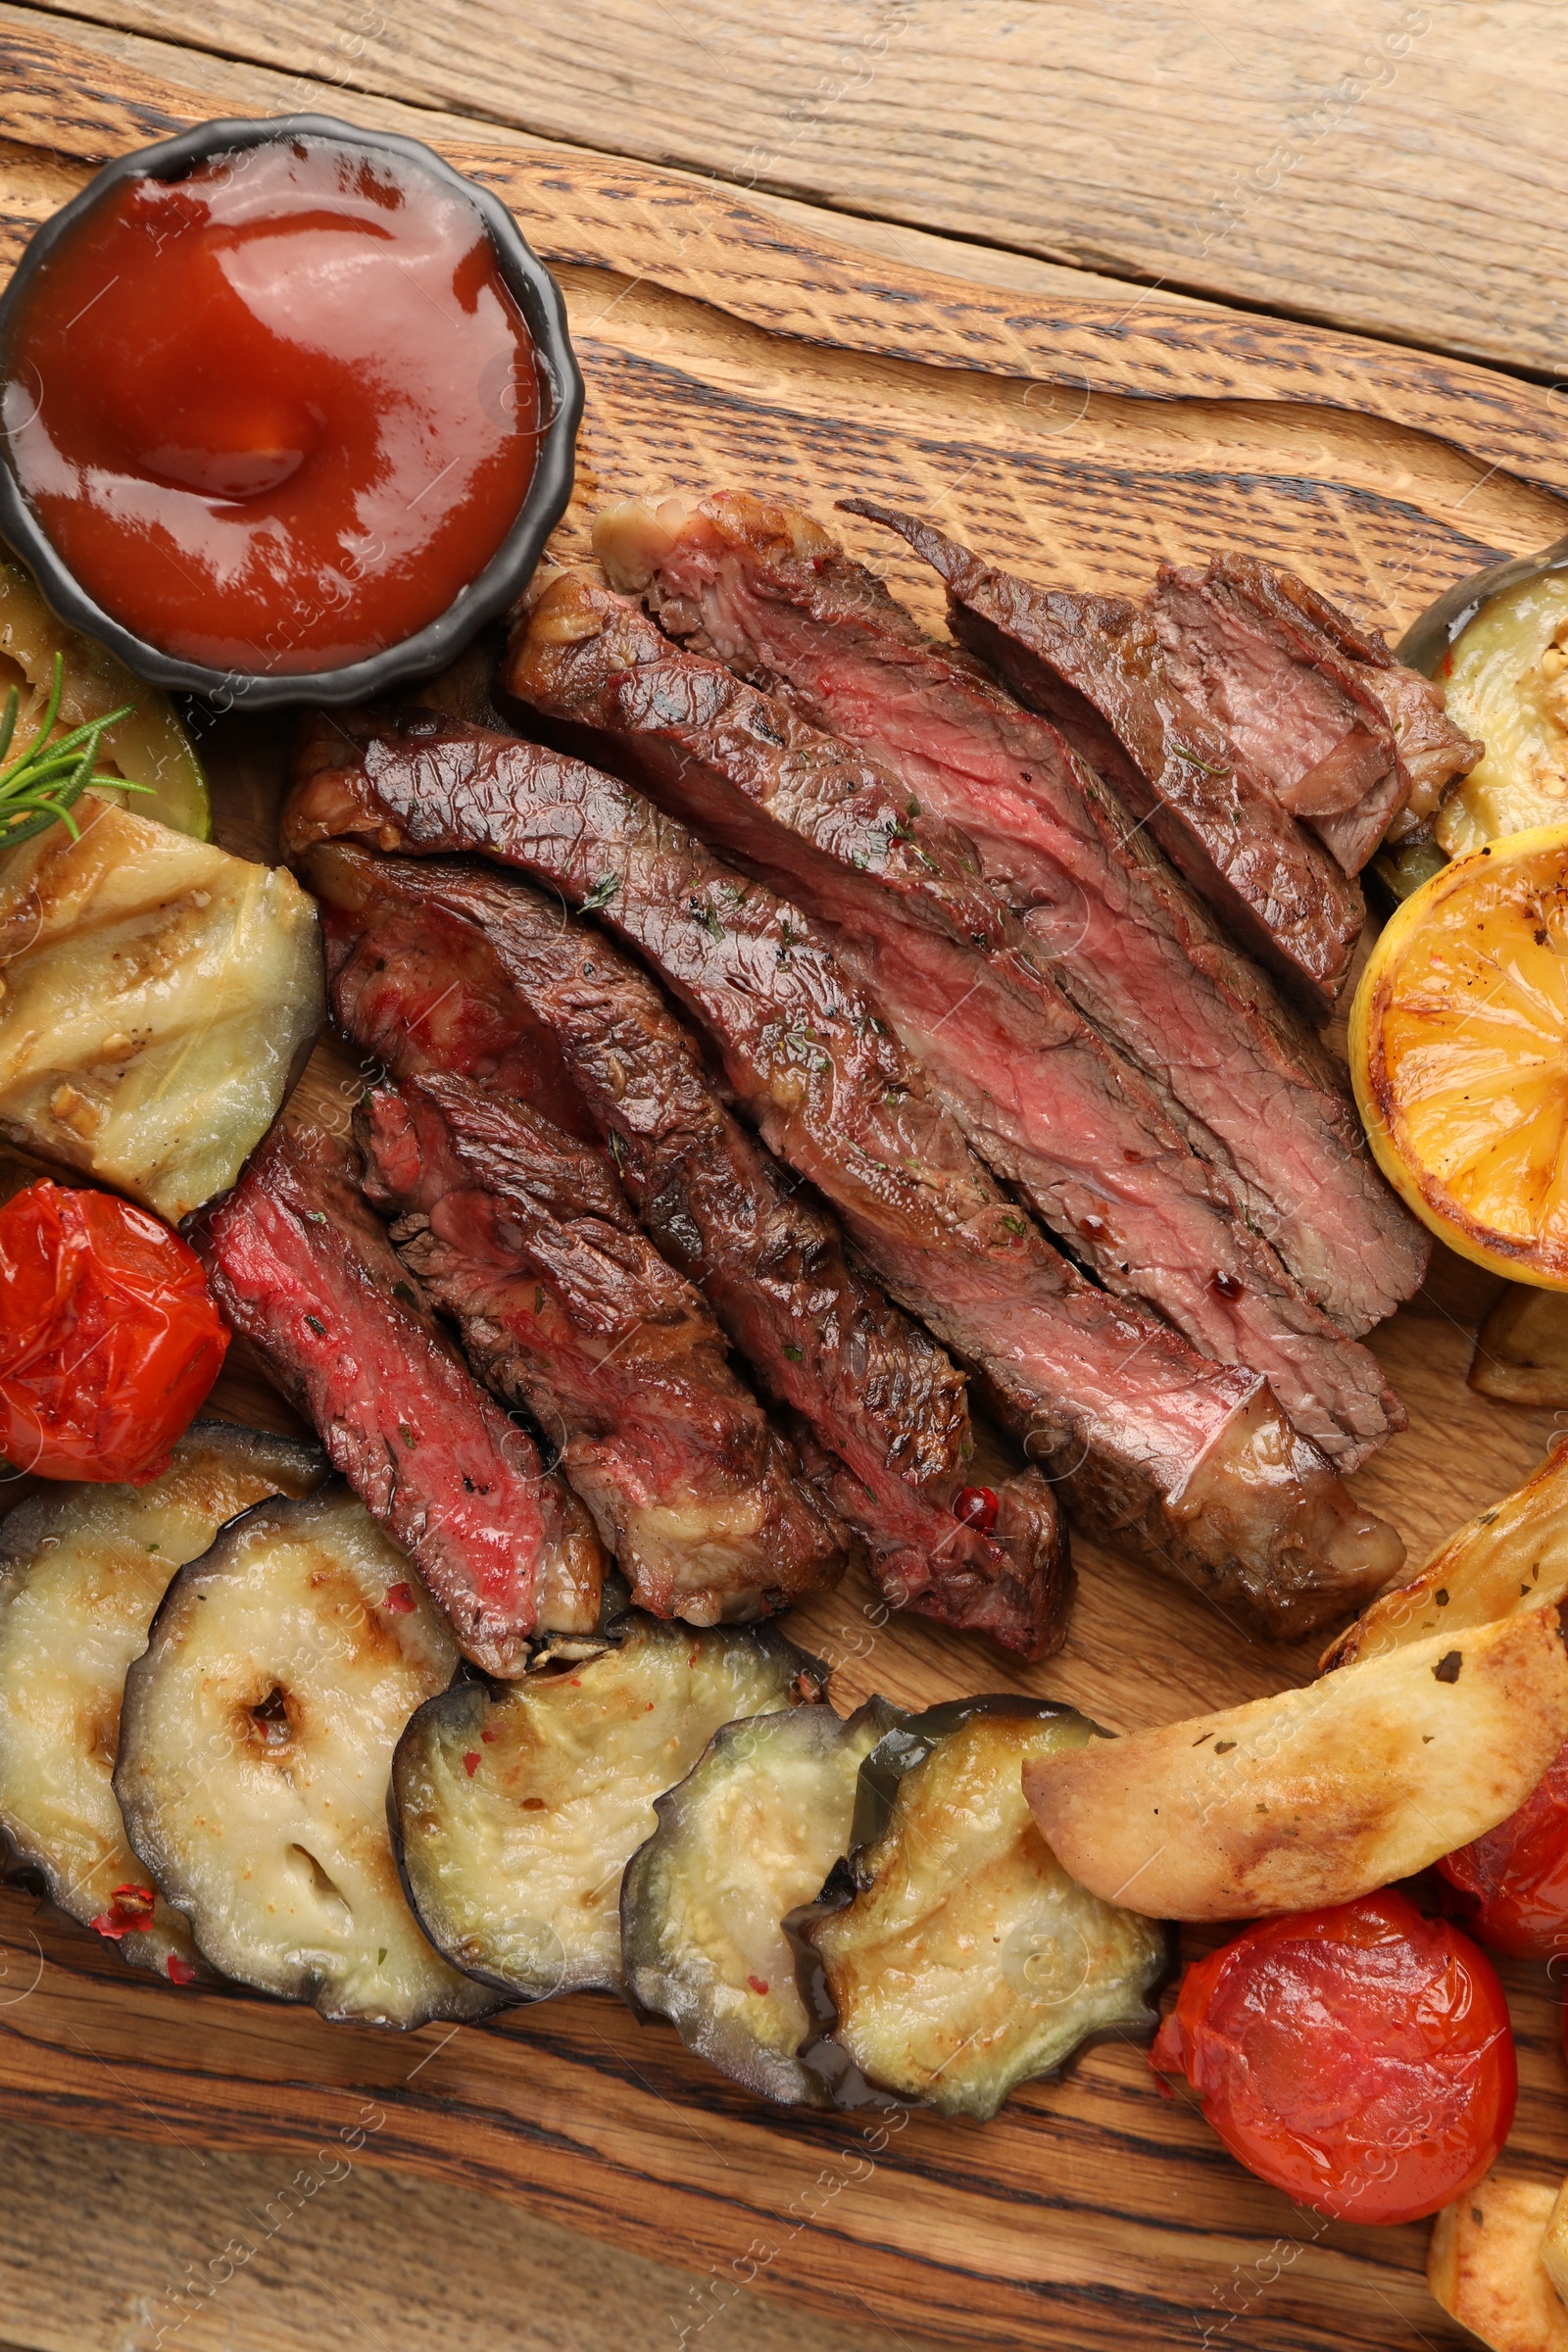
(42, 785)
(1194, 761)
(601, 894)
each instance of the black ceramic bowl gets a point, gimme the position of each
(503, 578)
(1428, 638)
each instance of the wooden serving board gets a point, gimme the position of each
(1081, 442)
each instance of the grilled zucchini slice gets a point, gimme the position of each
(956, 1957)
(254, 1743)
(161, 998)
(83, 1569)
(750, 1834)
(517, 1813)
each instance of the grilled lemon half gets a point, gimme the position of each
(1459, 1055)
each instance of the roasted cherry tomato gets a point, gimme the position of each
(108, 1339)
(1515, 1878)
(1361, 2058)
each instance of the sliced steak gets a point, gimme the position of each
(1190, 1461)
(449, 965)
(1347, 737)
(1036, 1090)
(1090, 662)
(1246, 1082)
(304, 1269)
(523, 1238)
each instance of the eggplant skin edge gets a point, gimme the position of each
(266, 1454)
(433, 1992)
(798, 1677)
(656, 1986)
(846, 2081)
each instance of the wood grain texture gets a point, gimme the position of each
(1394, 169)
(106, 2244)
(231, 85)
(720, 345)
(674, 235)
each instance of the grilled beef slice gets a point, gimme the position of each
(1189, 1461)
(1037, 1092)
(523, 1238)
(1248, 1083)
(1349, 739)
(1090, 662)
(301, 1265)
(452, 966)
(1093, 665)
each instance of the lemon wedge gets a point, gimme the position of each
(1459, 1055)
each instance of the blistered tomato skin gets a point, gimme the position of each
(1515, 1878)
(108, 1341)
(1359, 2058)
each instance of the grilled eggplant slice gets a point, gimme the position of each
(83, 1570)
(749, 1836)
(517, 1813)
(958, 1959)
(255, 1742)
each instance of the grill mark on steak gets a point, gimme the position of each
(1246, 1082)
(899, 893)
(522, 1237)
(301, 1265)
(879, 1408)
(1190, 1461)
(1347, 737)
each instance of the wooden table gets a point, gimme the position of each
(1395, 171)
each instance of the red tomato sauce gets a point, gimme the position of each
(275, 416)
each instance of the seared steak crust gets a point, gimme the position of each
(1090, 662)
(306, 1272)
(1037, 1092)
(1349, 739)
(1239, 1073)
(1190, 1461)
(522, 1237)
(449, 965)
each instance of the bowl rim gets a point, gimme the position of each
(503, 577)
(1431, 634)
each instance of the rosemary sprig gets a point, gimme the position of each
(43, 783)
(1194, 762)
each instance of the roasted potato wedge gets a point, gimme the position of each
(159, 997)
(959, 1959)
(1521, 1352)
(749, 1836)
(1486, 2265)
(1320, 1794)
(254, 1743)
(1509, 1557)
(516, 1814)
(1554, 2245)
(83, 1569)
